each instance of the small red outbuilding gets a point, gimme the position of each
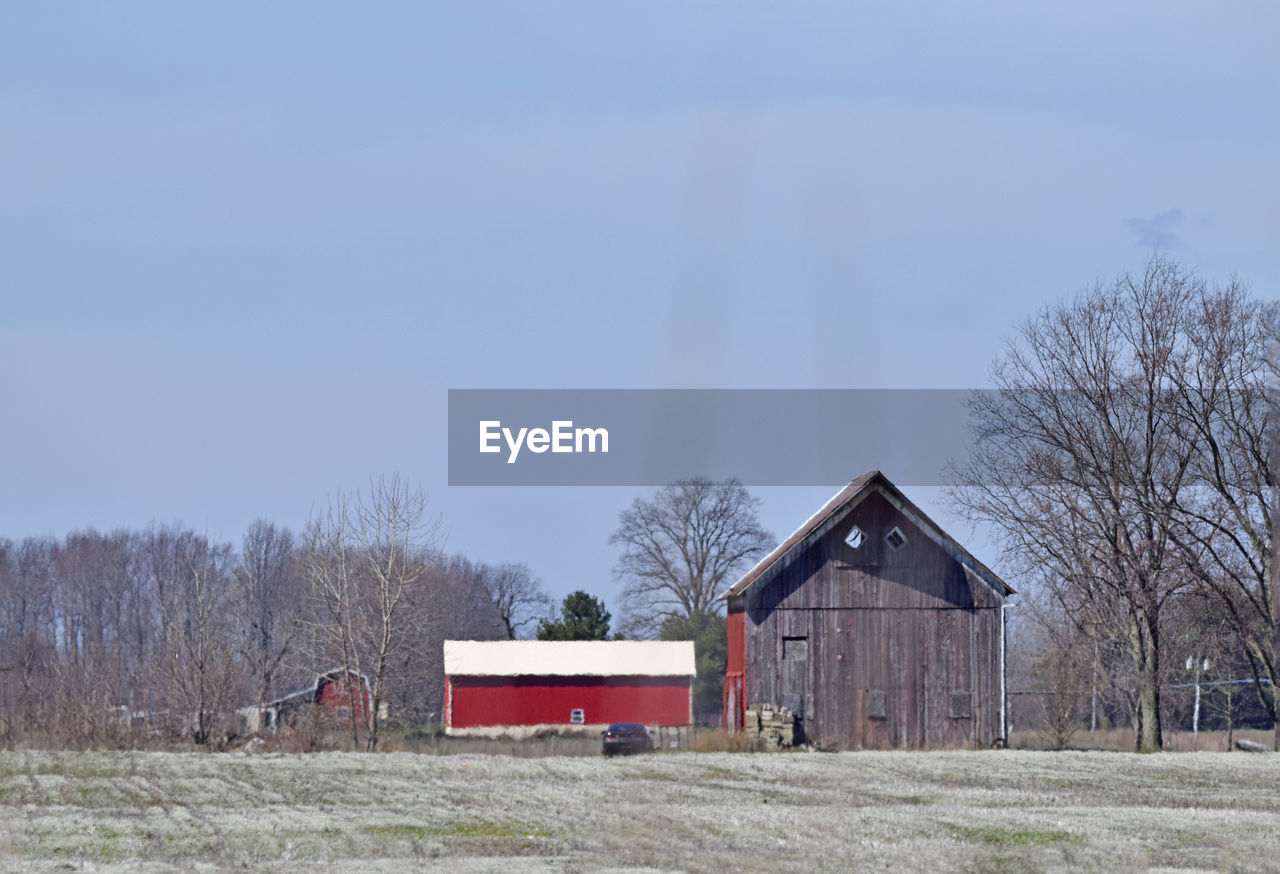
(343, 694)
(532, 683)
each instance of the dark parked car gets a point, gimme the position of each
(626, 737)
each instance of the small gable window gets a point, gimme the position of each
(856, 537)
(896, 539)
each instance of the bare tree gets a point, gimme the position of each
(27, 632)
(1080, 457)
(96, 586)
(268, 603)
(1062, 672)
(1225, 519)
(681, 548)
(397, 540)
(31, 622)
(1273, 445)
(194, 578)
(1213, 668)
(1068, 663)
(332, 567)
(517, 594)
(367, 561)
(455, 606)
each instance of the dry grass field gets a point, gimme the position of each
(953, 811)
(1121, 740)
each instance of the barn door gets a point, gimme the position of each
(795, 680)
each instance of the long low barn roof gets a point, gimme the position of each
(569, 658)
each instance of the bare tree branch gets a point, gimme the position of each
(681, 548)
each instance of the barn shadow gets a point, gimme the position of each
(954, 589)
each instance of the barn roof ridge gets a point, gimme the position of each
(839, 506)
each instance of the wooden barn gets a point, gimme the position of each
(497, 686)
(875, 628)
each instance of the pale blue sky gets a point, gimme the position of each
(245, 249)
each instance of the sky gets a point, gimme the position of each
(247, 249)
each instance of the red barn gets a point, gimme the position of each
(342, 694)
(492, 685)
(347, 696)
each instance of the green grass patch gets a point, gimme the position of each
(396, 832)
(105, 845)
(484, 829)
(471, 836)
(1015, 837)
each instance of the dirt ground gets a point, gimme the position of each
(953, 811)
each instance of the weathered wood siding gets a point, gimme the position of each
(838, 627)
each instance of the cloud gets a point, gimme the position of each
(1157, 232)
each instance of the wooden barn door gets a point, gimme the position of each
(795, 681)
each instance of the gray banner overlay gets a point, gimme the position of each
(762, 437)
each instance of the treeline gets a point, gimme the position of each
(1067, 681)
(130, 636)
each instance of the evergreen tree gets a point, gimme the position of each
(711, 652)
(582, 617)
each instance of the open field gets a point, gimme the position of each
(954, 811)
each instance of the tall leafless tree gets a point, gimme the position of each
(1273, 444)
(454, 606)
(332, 568)
(681, 548)
(367, 563)
(199, 650)
(267, 605)
(1225, 515)
(96, 588)
(1080, 458)
(398, 540)
(517, 595)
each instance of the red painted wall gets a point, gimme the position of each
(734, 699)
(480, 701)
(338, 693)
(736, 626)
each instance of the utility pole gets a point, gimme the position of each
(1199, 665)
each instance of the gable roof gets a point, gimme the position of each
(312, 692)
(569, 658)
(836, 509)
